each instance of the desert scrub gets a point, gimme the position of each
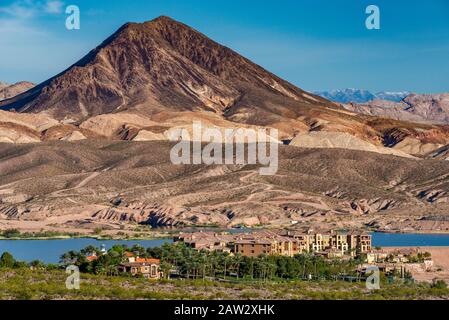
(250, 295)
(41, 284)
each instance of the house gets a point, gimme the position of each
(92, 257)
(376, 256)
(387, 268)
(147, 267)
(130, 256)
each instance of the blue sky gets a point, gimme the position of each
(315, 44)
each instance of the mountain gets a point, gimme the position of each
(79, 186)
(347, 95)
(148, 78)
(65, 166)
(392, 96)
(423, 108)
(11, 90)
(163, 65)
(163, 73)
(360, 96)
(442, 153)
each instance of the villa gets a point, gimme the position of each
(148, 268)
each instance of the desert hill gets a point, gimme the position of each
(423, 108)
(150, 77)
(11, 90)
(88, 148)
(98, 183)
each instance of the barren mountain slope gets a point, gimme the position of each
(8, 91)
(161, 63)
(149, 77)
(86, 184)
(424, 108)
(442, 153)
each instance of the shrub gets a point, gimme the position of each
(439, 284)
(11, 233)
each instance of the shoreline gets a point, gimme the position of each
(170, 234)
(90, 236)
(442, 233)
(131, 236)
(81, 236)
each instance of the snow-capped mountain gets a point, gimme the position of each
(392, 96)
(361, 96)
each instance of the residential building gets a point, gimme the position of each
(147, 267)
(331, 244)
(253, 248)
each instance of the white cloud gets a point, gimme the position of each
(19, 20)
(54, 6)
(20, 9)
(26, 9)
(29, 49)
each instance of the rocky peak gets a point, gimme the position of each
(157, 65)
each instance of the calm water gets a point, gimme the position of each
(49, 251)
(410, 240)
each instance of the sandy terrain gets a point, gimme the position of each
(440, 270)
(76, 185)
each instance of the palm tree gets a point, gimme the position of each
(70, 257)
(90, 250)
(37, 264)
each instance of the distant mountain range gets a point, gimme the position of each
(11, 90)
(361, 96)
(422, 108)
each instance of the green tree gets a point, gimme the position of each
(89, 250)
(37, 264)
(70, 257)
(11, 233)
(439, 284)
(7, 260)
(138, 250)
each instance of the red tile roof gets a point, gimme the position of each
(148, 260)
(91, 258)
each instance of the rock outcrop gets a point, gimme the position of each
(422, 108)
(11, 90)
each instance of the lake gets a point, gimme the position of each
(49, 251)
(410, 240)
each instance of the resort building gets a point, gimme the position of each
(334, 243)
(252, 248)
(258, 243)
